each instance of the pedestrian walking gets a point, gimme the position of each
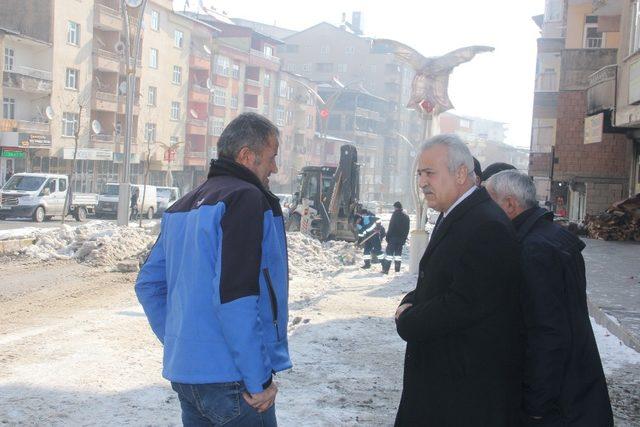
(461, 323)
(564, 384)
(396, 238)
(215, 285)
(134, 202)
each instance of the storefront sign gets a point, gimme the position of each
(593, 128)
(88, 154)
(119, 158)
(12, 153)
(34, 140)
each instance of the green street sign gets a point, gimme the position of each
(13, 154)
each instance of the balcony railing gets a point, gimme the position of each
(252, 82)
(261, 54)
(32, 72)
(26, 83)
(102, 138)
(601, 90)
(33, 126)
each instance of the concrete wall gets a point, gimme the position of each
(29, 17)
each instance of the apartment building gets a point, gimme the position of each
(579, 154)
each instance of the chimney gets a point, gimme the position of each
(356, 22)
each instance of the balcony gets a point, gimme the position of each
(106, 18)
(579, 64)
(28, 79)
(260, 54)
(104, 101)
(198, 94)
(194, 158)
(259, 59)
(602, 89)
(105, 60)
(199, 62)
(196, 127)
(30, 126)
(102, 138)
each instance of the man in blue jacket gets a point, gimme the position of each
(215, 285)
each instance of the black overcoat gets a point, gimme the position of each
(463, 356)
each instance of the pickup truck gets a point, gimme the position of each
(42, 196)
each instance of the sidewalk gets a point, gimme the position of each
(613, 287)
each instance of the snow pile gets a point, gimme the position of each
(309, 256)
(97, 243)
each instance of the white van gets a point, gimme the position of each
(108, 200)
(167, 196)
(42, 196)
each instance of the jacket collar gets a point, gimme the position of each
(227, 167)
(533, 217)
(480, 195)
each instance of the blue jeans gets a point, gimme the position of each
(220, 404)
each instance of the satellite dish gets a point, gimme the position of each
(206, 49)
(193, 113)
(48, 112)
(209, 83)
(122, 87)
(96, 127)
(119, 47)
(133, 3)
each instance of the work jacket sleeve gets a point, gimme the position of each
(481, 274)
(237, 295)
(151, 288)
(547, 328)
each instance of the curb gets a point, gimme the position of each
(10, 246)
(616, 329)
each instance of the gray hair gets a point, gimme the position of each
(458, 153)
(249, 130)
(515, 184)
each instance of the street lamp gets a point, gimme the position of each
(131, 62)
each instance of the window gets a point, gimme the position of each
(324, 50)
(9, 55)
(150, 132)
(306, 67)
(71, 80)
(178, 38)
(324, 67)
(8, 108)
(309, 121)
(265, 109)
(280, 116)
(465, 123)
(222, 65)
(69, 124)
(235, 71)
(342, 68)
(62, 184)
(155, 20)
(175, 111)
(289, 116)
(153, 58)
(177, 75)
(349, 50)
(219, 97)
(152, 96)
(267, 79)
(282, 90)
(268, 50)
(290, 67)
(217, 126)
(73, 33)
(234, 102)
(593, 39)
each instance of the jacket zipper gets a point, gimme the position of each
(274, 302)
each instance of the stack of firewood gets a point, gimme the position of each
(620, 222)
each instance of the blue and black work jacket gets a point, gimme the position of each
(215, 286)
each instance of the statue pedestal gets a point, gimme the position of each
(419, 242)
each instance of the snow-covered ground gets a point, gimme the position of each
(90, 358)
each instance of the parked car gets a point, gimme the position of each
(108, 200)
(167, 196)
(42, 196)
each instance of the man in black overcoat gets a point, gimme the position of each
(461, 323)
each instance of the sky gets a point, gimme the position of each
(496, 86)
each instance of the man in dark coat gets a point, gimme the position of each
(396, 238)
(564, 384)
(461, 323)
